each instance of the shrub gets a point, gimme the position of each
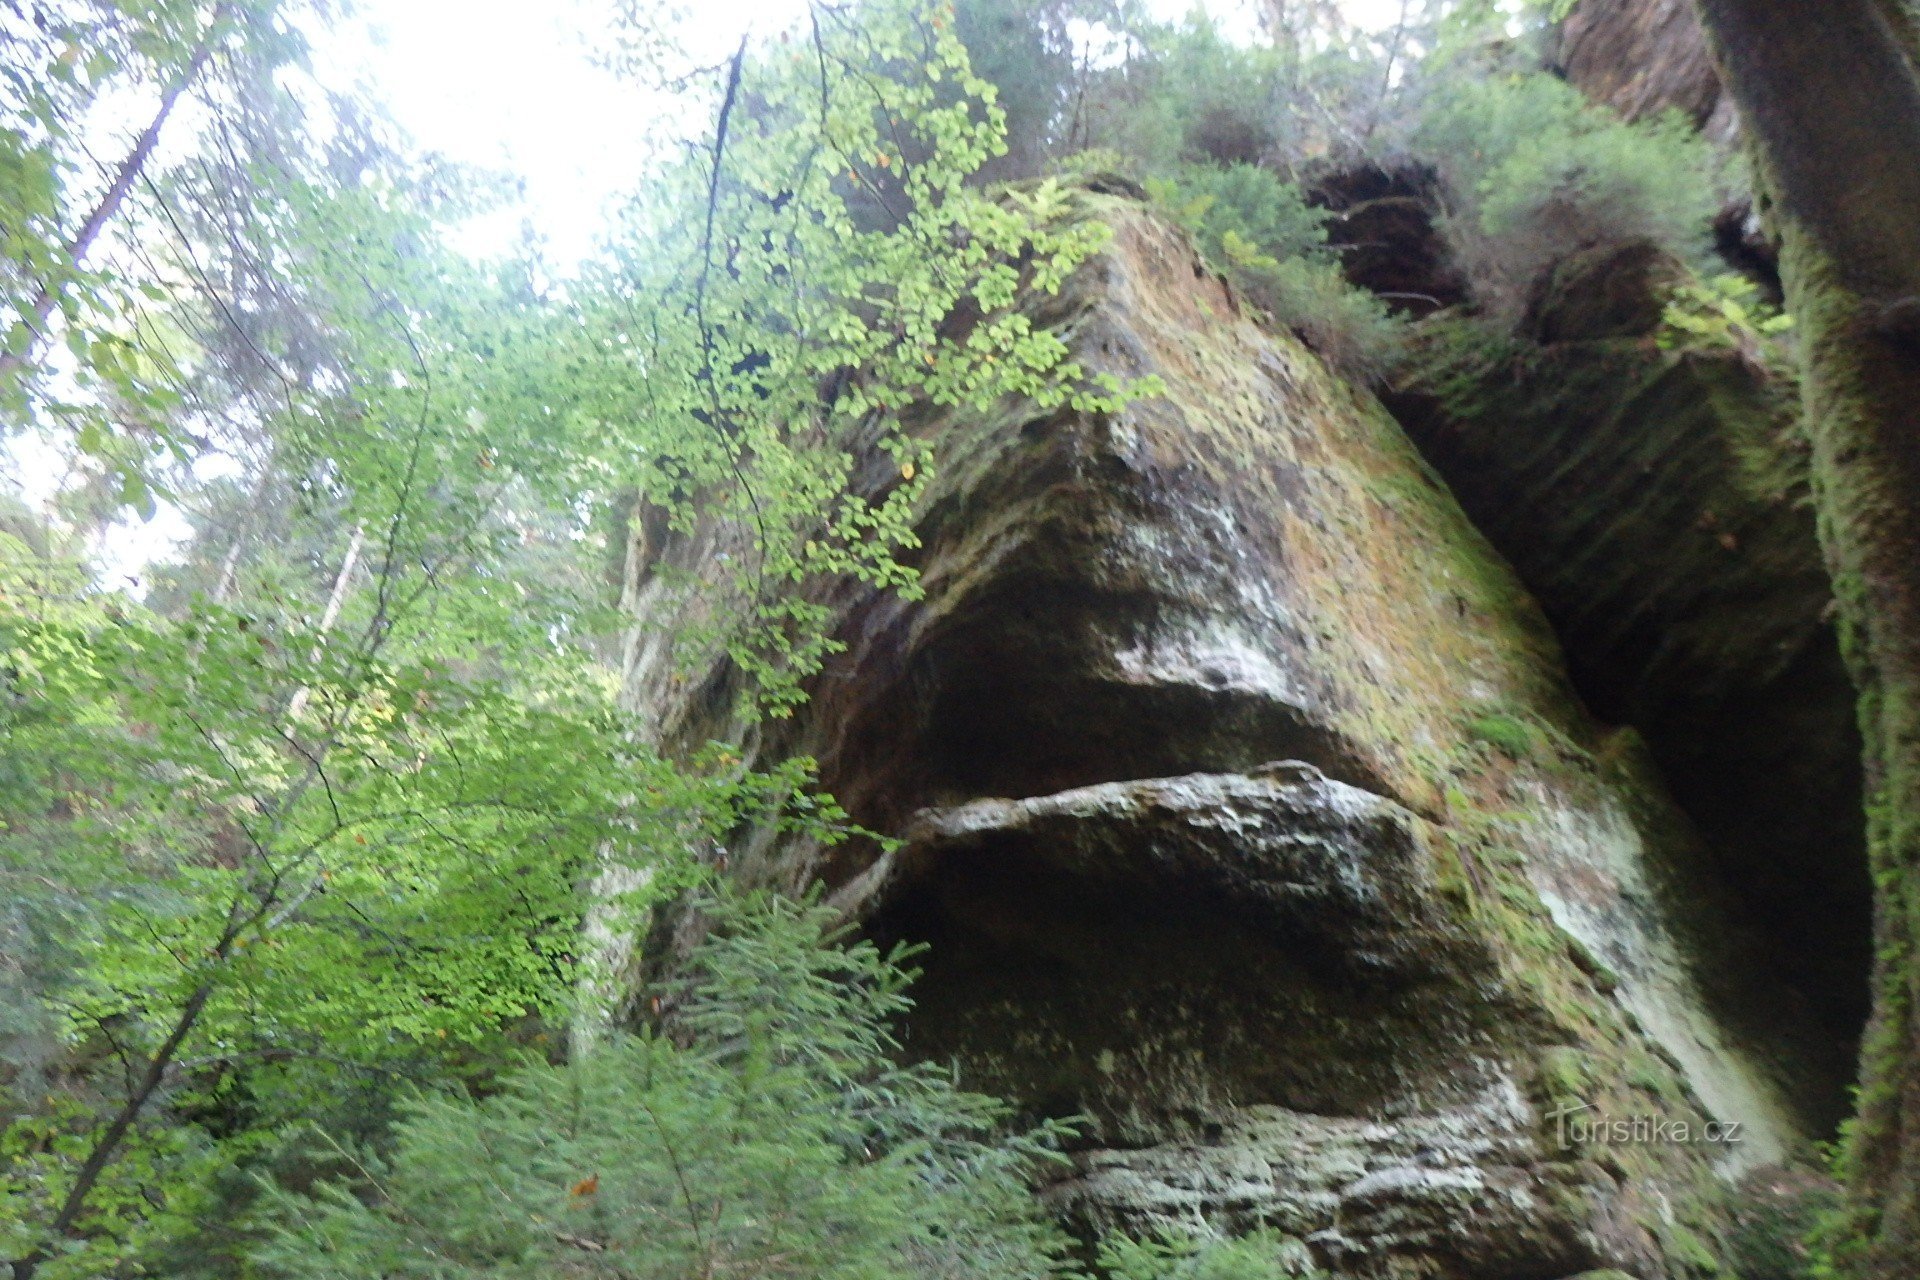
(1026, 51)
(1195, 97)
(1726, 312)
(1262, 233)
(1349, 328)
(1535, 172)
(1783, 1218)
(769, 1132)
(1245, 201)
(1187, 93)
(1263, 1255)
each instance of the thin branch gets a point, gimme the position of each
(330, 615)
(40, 311)
(719, 415)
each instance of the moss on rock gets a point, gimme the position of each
(1657, 504)
(1201, 737)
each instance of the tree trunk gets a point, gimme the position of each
(40, 311)
(335, 599)
(1832, 103)
(107, 1145)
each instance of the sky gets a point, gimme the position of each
(514, 85)
(510, 85)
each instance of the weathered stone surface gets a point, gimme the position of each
(1249, 815)
(1642, 57)
(1461, 1184)
(1657, 506)
(1646, 57)
(1385, 225)
(1610, 291)
(1143, 949)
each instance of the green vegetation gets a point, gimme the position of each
(317, 821)
(1725, 312)
(312, 840)
(1273, 246)
(1235, 138)
(766, 1129)
(1534, 172)
(1260, 1255)
(1515, 738)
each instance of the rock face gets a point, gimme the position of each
(1646, 57)
(1656, 504)
(1642, 57)
(1249, 815)
(1386, 220)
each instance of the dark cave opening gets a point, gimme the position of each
(1145, 1007)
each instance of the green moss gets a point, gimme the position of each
(1685, 1247)
(1564, 1077)
(1509, 734)
(1689, 467)
(1777, 1225)
(1645, 1076)
(1397, 562)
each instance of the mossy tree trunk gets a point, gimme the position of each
(1830, 96)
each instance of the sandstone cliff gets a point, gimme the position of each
(1656, 504)
(1643, 57)
(1250, 814)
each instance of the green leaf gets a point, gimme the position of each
(136, 493)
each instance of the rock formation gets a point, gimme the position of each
(1655, 502)
(1251, 816)
(1646, 57)
(1642, 57)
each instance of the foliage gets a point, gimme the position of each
(318, 824)
(1531, 170)
(326, 808)
(766, 1131)
(1212, 123)
(1028, 52)
(1244, 204)
(1190, 93)
(72, 350)
(1784, 1221)
(828, 238)
(1272, 245)
(1726, 312)
(1534, 171)
(233, 896)
(1199, 97)
(212, 879)
(1351, 329)
(325, 814)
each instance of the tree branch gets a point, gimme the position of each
(40, 312)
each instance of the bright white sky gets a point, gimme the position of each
(513, 85)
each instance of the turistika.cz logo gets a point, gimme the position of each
(1584, 1125)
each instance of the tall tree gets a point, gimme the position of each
(1833, 105)
(84, 276)
(130, 170)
